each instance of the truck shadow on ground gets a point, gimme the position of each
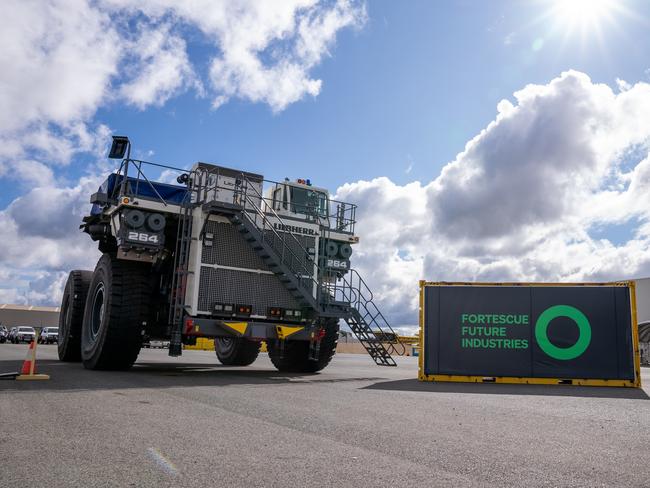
(73, 376)
(506, 389)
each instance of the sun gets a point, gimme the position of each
(582, 14)
(588, 22)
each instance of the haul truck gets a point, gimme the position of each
(223, 254)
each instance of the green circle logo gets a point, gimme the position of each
(541, 327)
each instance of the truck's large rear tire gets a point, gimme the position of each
(71, 315)
(236, 351)
(296, 353)
(116, 313)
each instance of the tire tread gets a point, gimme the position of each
(246, 352)
(296, 352)
(130, 293)
(76, 290)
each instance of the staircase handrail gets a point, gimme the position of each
(366, 303)
(308, 273)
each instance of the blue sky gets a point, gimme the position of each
(410, 87)
(371, 98)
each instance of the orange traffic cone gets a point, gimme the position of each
(28, 371)
(27, 363)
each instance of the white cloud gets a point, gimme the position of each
(264, 51)
(32, 173)
(57, 57)
(392, 238)
(521, 201)
(41, 227)
(161, 68)
(622, 85)
(294, 40)
(543, 161)
(33, 288)
(65, 59)
(41, 241)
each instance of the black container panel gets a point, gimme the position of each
(491, 331)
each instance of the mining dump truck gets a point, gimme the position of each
(224, 254)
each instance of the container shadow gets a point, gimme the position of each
(73, 376)
(509, 389)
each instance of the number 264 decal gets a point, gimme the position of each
(143, 237)
(335, 263)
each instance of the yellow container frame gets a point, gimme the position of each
(636, 383)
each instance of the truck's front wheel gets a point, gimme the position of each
(116, 313)
(236, 351)
(295, 357)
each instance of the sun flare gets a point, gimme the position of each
(582, 14)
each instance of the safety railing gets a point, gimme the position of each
(353, 289)
(133, 185)
(133, 175)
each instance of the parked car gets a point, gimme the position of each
(25, 334)
(3, 334)
(154, 343)
(49, 335)
(12, 335)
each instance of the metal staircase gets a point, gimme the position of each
(365, 319)
(284, 254)
(368, 339)
(283, 262)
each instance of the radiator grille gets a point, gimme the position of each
(243, 287)
(229, 248)
(304, 242)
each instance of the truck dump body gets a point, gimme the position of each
(171, 194)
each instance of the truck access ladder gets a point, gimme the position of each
(295, 266)
(179, 279)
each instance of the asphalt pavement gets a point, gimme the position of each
(191, 422)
